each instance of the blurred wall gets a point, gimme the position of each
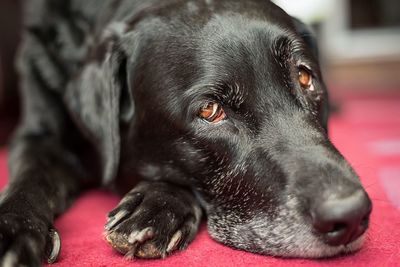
(359, 42)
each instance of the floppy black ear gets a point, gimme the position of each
(307, 34)
(100, 99)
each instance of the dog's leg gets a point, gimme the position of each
(45, 175)
(153, 220)
(44, 180)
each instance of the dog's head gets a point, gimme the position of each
(228, 97)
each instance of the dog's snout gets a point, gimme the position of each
(341, 220)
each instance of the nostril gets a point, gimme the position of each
(337, 227)
(342, 220)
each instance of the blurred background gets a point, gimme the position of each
(359, 43)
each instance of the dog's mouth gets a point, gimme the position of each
(287, 234)
(346, 249)
(291, 246)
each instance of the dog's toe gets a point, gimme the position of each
(147, 251)
(118, 241)
(157, 240)
(141, 236)
(147, 247)
(25, 241)
(156, 249)
(53, 246)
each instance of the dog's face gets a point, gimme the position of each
(240, 109)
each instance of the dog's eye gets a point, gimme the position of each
(212, 112)
(305, 78)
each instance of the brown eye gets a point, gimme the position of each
(212, 112)
(305, 78)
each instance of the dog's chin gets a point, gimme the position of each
(317, 249)
(296, 243)
(321, 250)
(284, 234)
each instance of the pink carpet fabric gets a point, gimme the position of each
(367, 132)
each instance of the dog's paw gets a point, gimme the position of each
(152, 222)
(26, 241)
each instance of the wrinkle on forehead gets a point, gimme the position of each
(237, 50)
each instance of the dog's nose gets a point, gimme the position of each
(342, 220)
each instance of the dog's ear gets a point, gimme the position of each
(306, 33)
(100, 100)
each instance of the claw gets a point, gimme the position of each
(10, 259)
(173, 243)
(56, 246)
(141, 236)
(114, 220)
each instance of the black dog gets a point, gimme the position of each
(199, 106)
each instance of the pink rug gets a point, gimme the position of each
(367, 132)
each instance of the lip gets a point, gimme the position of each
(348, 248)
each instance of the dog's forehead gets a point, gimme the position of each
(242, 53)
(239, 42)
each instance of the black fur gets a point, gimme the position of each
(112, 88)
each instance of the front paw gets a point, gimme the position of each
(152, 221)
(25, 241)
